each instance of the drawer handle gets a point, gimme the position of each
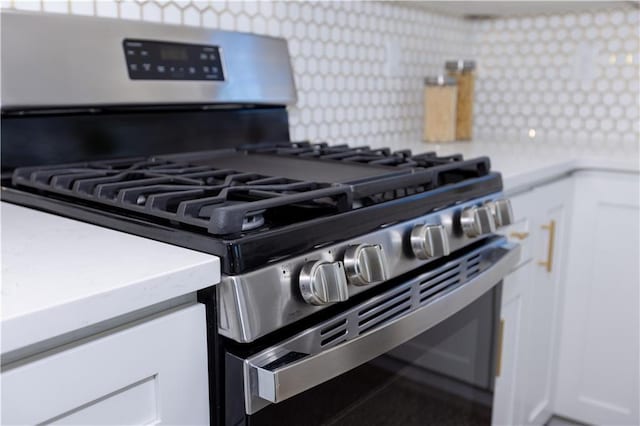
(519, 235)
(500, 337)
(551, 227)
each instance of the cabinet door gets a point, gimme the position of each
(154, 372)
(599, 355)
(508, 393)
(548, 223)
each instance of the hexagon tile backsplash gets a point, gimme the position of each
(573, 78)
(359, 65)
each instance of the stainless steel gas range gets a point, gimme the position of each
(361, 285)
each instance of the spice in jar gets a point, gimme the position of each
(440, 97)
(462, 71)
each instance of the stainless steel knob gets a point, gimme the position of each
(365, 264)
(476, 221)
(323, 282)
(502, 212)
(429, 241)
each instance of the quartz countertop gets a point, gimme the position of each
(60, 275)
(529, 163)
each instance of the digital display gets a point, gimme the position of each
(172, 53)
(160, 60)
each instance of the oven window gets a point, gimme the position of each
(442, 377)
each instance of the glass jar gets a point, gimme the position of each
(463, 72)
(440, 97)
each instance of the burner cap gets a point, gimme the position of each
(253, 220)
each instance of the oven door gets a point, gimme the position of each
(422, 352)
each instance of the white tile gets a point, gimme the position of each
(250, 7)
(31, 5)
(218, 6)
(200, 4)
(182, 4)
(258, 25)
(82, 7)
(227, 21)
(107, 9)
(243, 23)
(151, 12)
(171, 14)
(55, 6)
(191, 16)
(129, 9)
(209, 19)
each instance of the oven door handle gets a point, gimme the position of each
(289, 380)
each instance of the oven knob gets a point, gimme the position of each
(502, 212)
(365, 264)
(429, 241)
(476, 221)
(323, 282)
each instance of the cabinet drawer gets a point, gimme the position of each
(520, 230)
(154, 372)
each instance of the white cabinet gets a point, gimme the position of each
(599, 356)
(549, 236)
(530, 302)
(150, 372)
(508, 392)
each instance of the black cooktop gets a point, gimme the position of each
(256, 203)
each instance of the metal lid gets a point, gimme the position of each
(460, 65)
(440, 80)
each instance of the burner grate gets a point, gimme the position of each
(181, 190)
(359, 154)
(220, 201)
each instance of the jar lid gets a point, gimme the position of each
(460, 65)
(440, 80)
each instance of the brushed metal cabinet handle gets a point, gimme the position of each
(519, 235)
(500, 340)
(548, 264)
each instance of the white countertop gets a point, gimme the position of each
(529, 163)
(60, 275)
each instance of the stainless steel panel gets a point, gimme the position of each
(376, 326)
(63, 60)
(256, 303)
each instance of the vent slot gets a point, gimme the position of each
(334, 337)
(333, 332)
(440, 278)
(473, 259)
(436, 290)
(398, 306)
(369, 310)
(473, 266)
(328, 329)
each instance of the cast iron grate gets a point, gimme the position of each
(218, 201)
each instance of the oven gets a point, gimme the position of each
(422, 350)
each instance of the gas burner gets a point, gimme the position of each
(253, 220)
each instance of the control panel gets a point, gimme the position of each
(156, 60)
